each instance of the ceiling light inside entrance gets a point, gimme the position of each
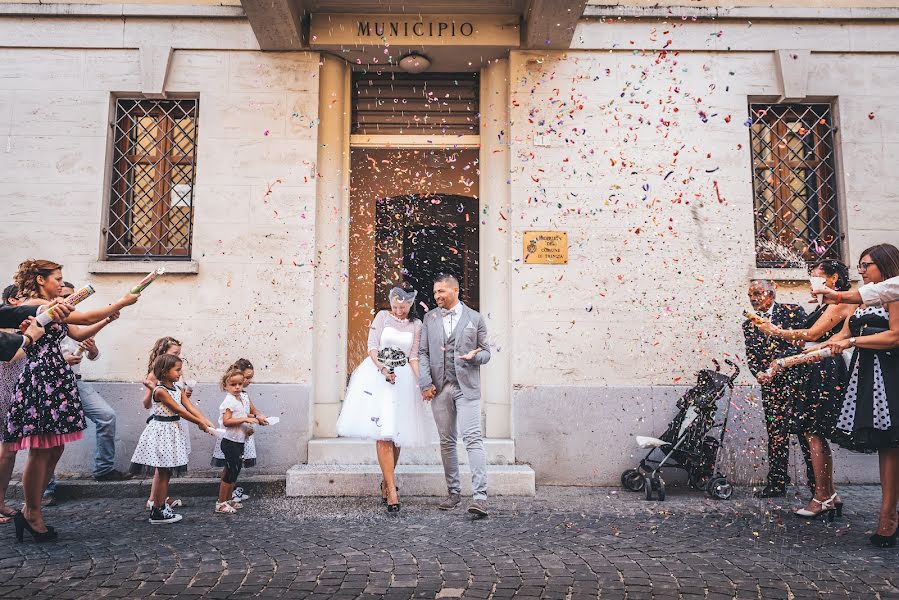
(414, 63)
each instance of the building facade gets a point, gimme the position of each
(601, 178)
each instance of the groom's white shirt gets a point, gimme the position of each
(451, 319)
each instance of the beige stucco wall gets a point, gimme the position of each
(255, 249)
(659, 263)
(671, 302)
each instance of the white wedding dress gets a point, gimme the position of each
(377, 410)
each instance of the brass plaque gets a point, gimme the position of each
(545, 247)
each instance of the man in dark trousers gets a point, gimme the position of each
(777, 393)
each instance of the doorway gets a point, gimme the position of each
(413, 215)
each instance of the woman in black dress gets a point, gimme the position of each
(821, 388)
(869, 416)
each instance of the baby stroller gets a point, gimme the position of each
(686, 444)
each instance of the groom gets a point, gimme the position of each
(453, 348)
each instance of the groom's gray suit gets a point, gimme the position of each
(458, 383)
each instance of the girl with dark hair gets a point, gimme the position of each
(820, 389)
(46, 412)
(162, 448)
(169, 345)
(869, 417)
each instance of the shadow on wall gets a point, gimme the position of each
(581, 435)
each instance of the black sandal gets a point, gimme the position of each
(383, 497)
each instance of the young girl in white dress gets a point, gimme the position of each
(383, 401)
(162, 447)
(169, 345)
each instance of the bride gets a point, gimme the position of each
(383, 401)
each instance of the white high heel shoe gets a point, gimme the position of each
(828, 510)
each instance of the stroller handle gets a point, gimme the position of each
(736, 369)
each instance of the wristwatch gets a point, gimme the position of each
(852, 342)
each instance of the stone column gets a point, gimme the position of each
(331, 225)
(496, 245)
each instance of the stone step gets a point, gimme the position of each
(346, 451)
(413, 480)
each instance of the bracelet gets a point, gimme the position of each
(29, 338)
(839, 297)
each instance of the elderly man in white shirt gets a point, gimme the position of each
(96, 409)
(870, 294)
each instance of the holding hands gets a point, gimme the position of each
(428, 394)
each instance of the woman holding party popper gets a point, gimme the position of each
(869, 416)
(46, 412)
(820, 390)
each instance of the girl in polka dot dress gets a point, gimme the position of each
(162, 449)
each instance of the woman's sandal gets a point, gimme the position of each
(827, 510)
(383, 495)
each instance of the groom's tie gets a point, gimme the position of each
(448, 312)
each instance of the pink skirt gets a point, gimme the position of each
(44, 441)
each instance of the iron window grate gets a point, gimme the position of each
(794, 183)
(152, 184)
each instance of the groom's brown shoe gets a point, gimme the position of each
(450, 502)
(478, 508)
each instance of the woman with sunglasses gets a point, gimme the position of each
(869, 417)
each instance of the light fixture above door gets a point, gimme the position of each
(415, 63)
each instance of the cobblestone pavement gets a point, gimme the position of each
(566, 543)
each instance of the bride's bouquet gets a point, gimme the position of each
(392, 357)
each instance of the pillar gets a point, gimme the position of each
(329, 299)
(496, 246)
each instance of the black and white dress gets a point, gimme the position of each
(163, 443)
(869, 418)
(820, 395)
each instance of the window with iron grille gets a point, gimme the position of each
(794, 183)
(154, 160)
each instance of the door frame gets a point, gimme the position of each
(332, 200)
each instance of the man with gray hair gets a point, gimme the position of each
(777, 392)
(453, 348)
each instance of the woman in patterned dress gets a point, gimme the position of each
(869, 416)
(820, 386)
(46, 411)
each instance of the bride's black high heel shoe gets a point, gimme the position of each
(383, 497)
(40, 537)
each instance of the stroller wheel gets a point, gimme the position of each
(647, 487)
(699, 482)
(632, 480)
(719, 487)
(660, 487)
